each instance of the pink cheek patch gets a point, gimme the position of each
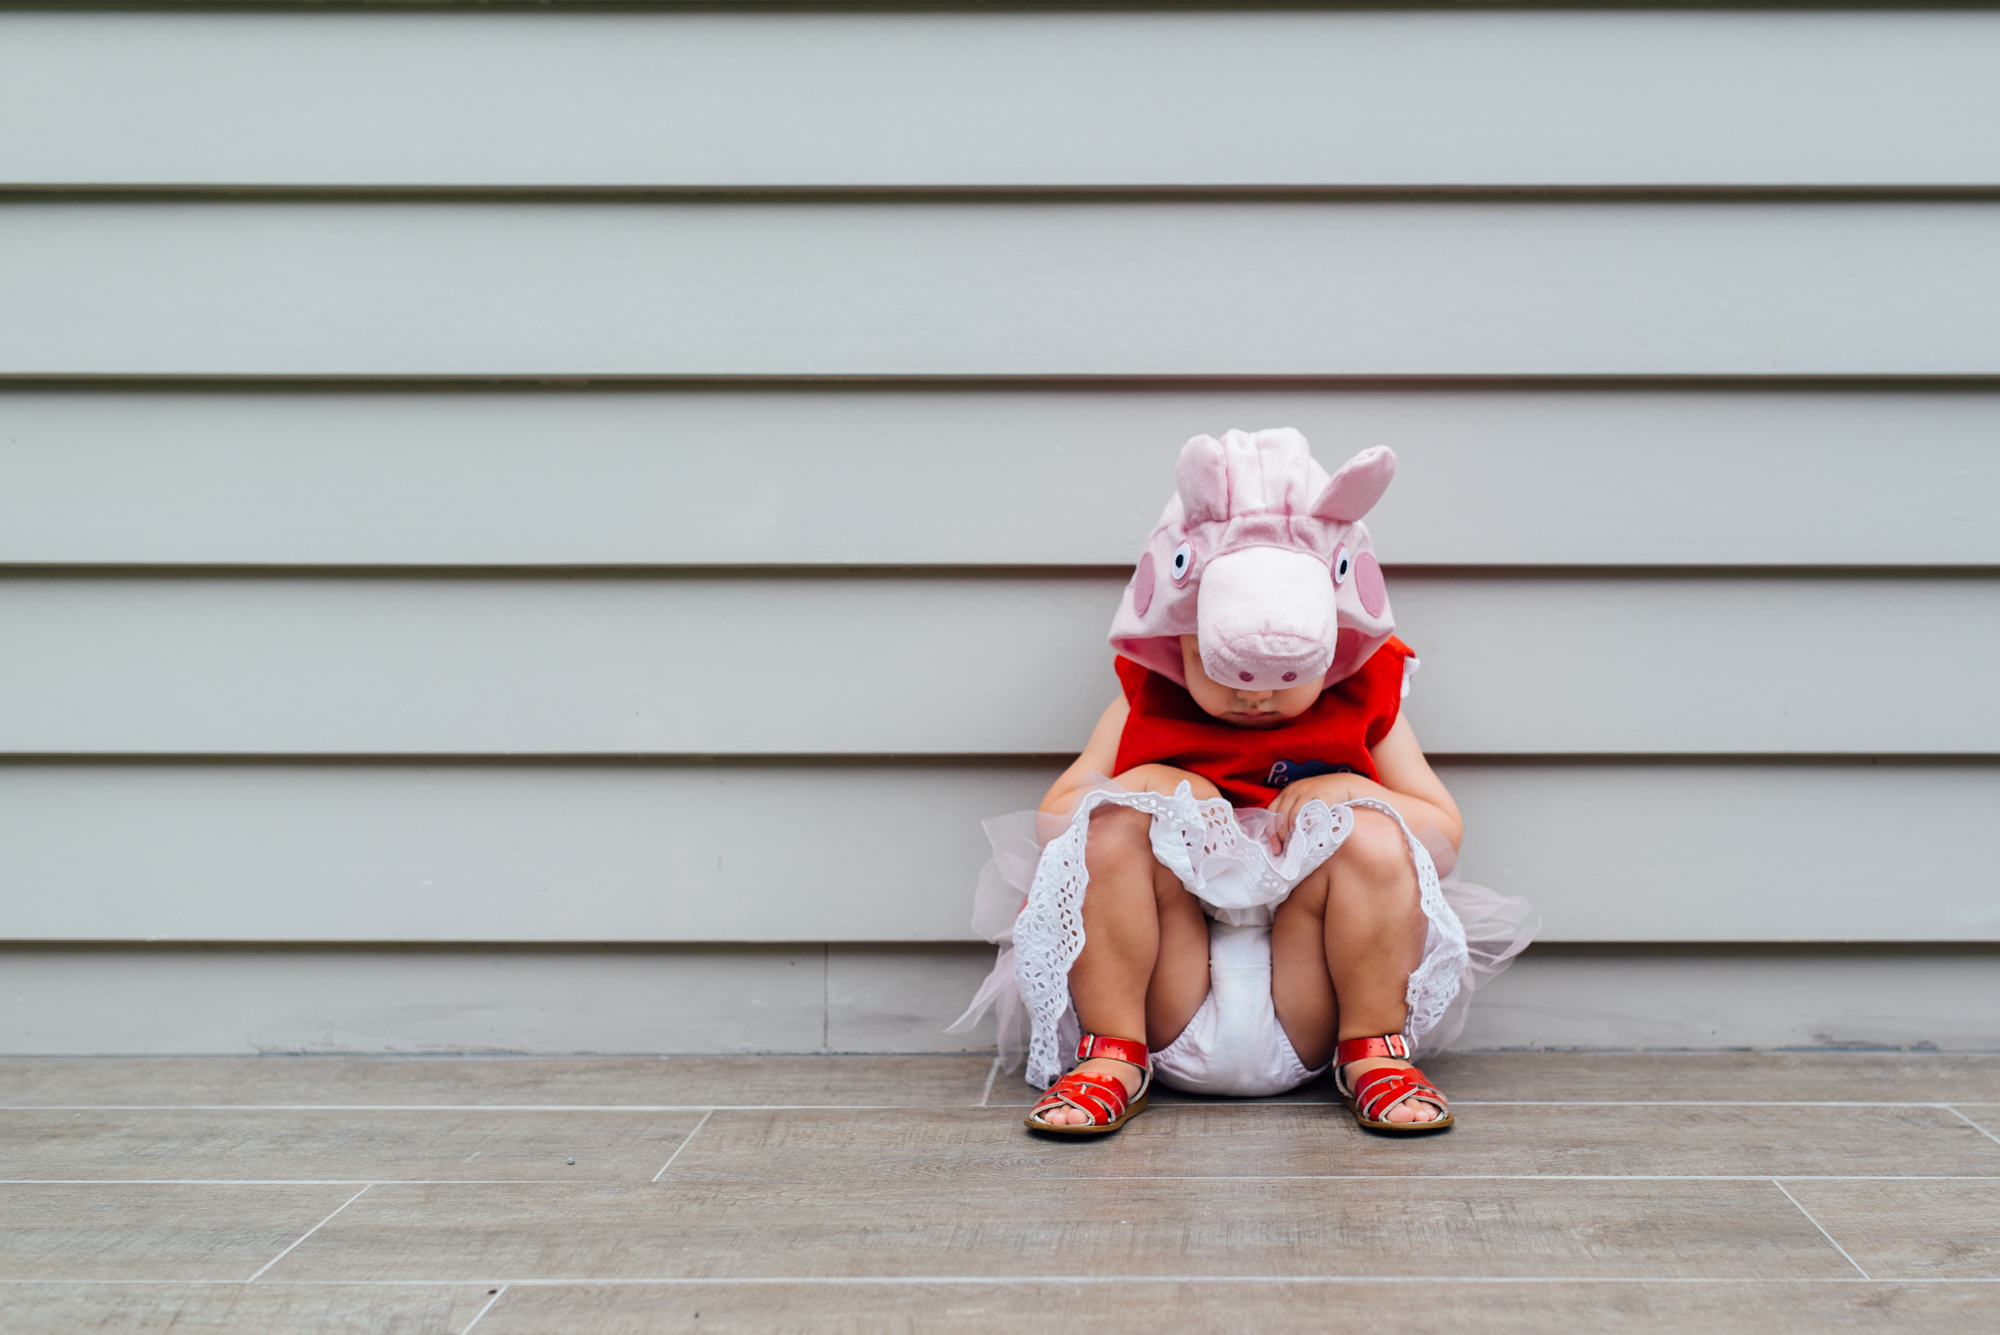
(1368, 584)
(1142, 585)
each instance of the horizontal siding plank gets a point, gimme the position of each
(417, 853)
(1020, 99)
(1301, 288)
(120, 1001)
(495, 854)
(1734, 998)
(401, 999)
(969, 477)
(953, 665)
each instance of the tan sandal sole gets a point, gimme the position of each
(1399, 1128)
(1131, 1110)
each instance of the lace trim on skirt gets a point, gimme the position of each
(1221, 856)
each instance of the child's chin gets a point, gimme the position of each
(1259, 721)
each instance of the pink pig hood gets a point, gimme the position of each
(1264, 556)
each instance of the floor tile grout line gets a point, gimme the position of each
(1518, 1177)
(1664, 1103)
(301, 1181)
(308, 1233)
(992, 1073)
(1230, 1279)
(451, 1108)
(683, 1145)
(1821, 1227)
(876, 1107)
(1694, 1103)
(585, 1281)
(1974, 1125)
(498, 1294)
(596, 1182)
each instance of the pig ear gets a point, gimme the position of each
(1203, 480)
(1353, 491)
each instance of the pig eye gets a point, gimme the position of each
(1183, 562)
(1342, 565)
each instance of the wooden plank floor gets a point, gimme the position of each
(1587, 1192)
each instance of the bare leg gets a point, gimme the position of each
(1143, 970)
(1343, 946)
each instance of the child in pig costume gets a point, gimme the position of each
(1256, 895)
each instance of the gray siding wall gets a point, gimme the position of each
(478, 488)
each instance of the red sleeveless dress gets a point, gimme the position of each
(1250, 765)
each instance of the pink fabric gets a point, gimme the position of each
(1262, 523)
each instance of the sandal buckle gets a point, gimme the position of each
(1120, 1049)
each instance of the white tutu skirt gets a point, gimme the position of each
(1030, 903)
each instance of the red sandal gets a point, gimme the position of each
(1102, 1098)
(1376, 1092)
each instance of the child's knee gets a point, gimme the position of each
(1117, 837)
(1376, 854)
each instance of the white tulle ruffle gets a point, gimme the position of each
(1030, 903)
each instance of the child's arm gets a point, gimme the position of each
(1408, 784)
(1101, 753)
